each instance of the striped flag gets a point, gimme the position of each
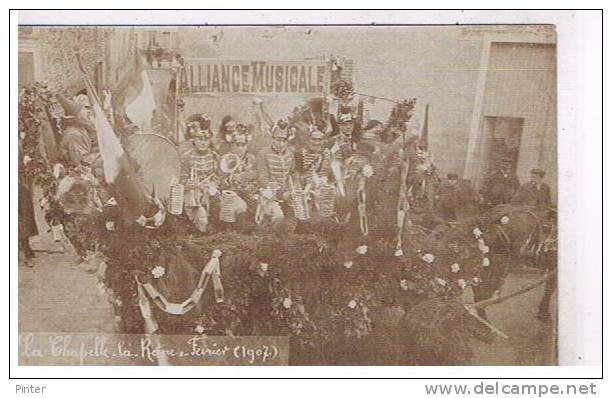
(110, 147)
(141, 109)
(120, 170)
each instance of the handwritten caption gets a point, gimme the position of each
(88, 349)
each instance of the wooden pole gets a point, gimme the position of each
(471, 308)
(524, 289)
(176, 107)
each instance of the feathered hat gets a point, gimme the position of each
(198, 125)
(281, 129)
(242, 135)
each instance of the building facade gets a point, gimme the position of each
(491, 90)
(47, 55)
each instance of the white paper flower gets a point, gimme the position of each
(110, 225)
(352, 304)
(455, 268)
(476, 280)
(462, 284)
(199, 329)
(287, 303)
(504, 220)
(484, 249)
(263, 267)
(477, 232)
(486, 262)
(368, 171)
(404, 284)
(158, 272)
(363, 249)
(398, 252)
(26, 159)
(440, 281)
(428, 258)
(348, 264)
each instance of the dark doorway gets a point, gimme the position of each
(500, 145)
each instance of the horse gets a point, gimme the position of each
(518, 235)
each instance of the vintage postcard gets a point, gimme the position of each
(287, 195)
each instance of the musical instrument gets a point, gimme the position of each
(177, 199)
(299, 198)
(325, 200)
(336, 168)
(231, 205)
(230, 163)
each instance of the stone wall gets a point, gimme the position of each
(106, 54)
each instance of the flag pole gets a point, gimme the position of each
(88, 82)
(176, 107)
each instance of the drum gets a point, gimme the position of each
(300, 204)
(325, 200)
(231, 206)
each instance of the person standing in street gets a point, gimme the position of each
(534, 193)
(26, 217)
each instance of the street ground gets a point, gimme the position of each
(530, 341)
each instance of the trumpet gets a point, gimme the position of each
(230, 163)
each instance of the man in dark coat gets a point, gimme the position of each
(501, 185)
(26, 218)
(450, 198)
(534, 193)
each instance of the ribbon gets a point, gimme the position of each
(212, 270)
(151, 325)
(361, 206)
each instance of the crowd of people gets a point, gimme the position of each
(313, 167)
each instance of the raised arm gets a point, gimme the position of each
(262, 115)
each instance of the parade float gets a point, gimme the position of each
(392, 276)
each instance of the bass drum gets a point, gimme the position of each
(158, 160)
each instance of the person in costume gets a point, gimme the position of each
(246, 162)
(198, 153)
(199, 170)
(344, 143)
(238, 172)
(313, 161)
(224, 138)
(276, 163)
(275, 169)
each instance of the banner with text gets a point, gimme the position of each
(210, 76)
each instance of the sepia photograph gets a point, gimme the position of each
(287, 195)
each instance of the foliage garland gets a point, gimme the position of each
(35, 102)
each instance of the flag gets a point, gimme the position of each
(119, 168)
(110, 147)
(141, 109)
(425, 129)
